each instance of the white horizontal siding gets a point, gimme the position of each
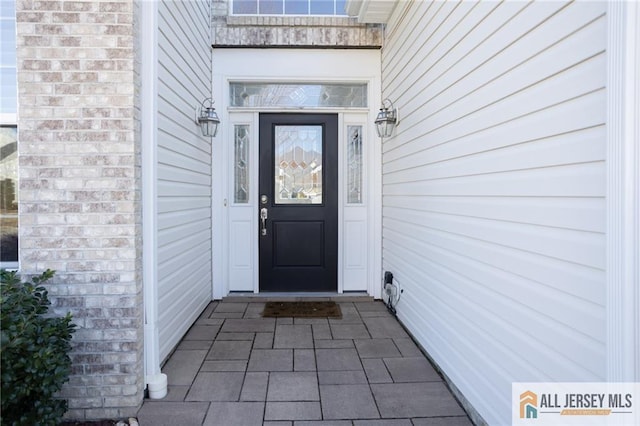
(183, 170)
(493, 190)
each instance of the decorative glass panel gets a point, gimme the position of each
(320, 95)
(241, 164)
(298, 165)
(354, 165)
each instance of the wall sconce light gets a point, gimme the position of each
(387, 119)
(207, 118)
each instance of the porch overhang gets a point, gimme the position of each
(371, 11)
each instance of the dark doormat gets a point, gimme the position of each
(302, 310)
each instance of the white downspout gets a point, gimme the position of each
(154, 379)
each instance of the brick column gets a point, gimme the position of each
(79, 193)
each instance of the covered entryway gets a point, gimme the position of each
(298, 232)
(296, 196)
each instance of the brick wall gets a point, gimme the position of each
(287, 31)
(79, 188)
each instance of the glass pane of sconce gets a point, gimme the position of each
(241, 164)
(299, 95)
(354, 165)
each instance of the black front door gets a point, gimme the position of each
(298, 205)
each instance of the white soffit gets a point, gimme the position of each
(371, 11)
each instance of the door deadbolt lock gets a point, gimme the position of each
(264, 199)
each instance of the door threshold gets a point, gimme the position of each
(297, 297)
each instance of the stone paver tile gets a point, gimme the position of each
(284, 321)
(334, 344)
(264, 325)
(224, 366)
(227, 315)
(183, 366)
(234, 414)
(218, 386)
(194, 345)
(210, 321)
(311, 321)
(271, 360)
(304, 360)
(293, 386)
(376, 371)
(254, 310)
(176, 393)
(202, 332)
(277, 423)
(347, 402)
(230, 349)
(377, 348)
(337, 359)
(235, 336)
(349, 331)
(443, 421)
(398, 400)
(342, 378)
(172, 413)
(369, 314)
(231, 307)
(293, 411)
(263, 341)
(324, 423)
(321, 331)
(407, 347)
(254, 387)
(293, 336)
(394, 422)
(381, 327)
(348, 317)
(411, 370)
(207, 311)
(347, 306)
(370, 307)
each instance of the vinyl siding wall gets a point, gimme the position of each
(493, 190)
(183, 169)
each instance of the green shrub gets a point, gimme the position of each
(34, 353)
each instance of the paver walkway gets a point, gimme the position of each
(236, 368)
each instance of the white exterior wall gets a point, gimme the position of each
(494, 190)
(183, 164)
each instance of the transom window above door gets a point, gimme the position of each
(297, 95)
(289, 7)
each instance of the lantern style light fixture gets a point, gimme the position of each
(387, 119)
(207, 118)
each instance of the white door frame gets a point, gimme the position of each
(294, 65)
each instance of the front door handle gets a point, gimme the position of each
(263, 221)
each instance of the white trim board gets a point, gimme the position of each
(623, 187)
